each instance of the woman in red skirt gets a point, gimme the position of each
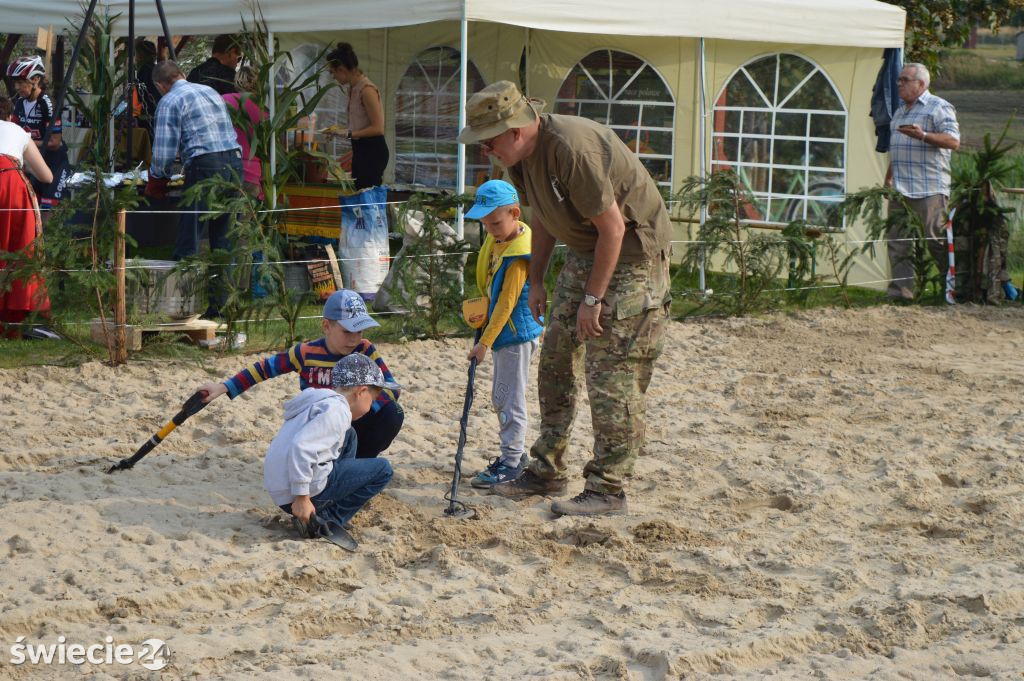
(19, 220)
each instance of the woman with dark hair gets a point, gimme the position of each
(365, 118)
(19, 219)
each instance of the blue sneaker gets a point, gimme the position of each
(497, 473)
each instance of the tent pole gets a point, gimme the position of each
(167, 31)
(110, 126)
(460, 172)
(702, 136)
(272, 106)
(130, 90)
(384, 90)
(65, 83)
(526, 65)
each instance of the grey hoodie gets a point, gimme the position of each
(302, 454)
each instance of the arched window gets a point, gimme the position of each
(427, 121)
(781, 125)
(626, 94)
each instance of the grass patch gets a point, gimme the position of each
(987, 68)
(687, 301)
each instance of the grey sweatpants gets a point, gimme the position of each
(508, 397)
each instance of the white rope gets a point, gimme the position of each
(411, 257)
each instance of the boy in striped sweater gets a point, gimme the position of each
(345, 319)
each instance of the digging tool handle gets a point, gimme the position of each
(192, 406)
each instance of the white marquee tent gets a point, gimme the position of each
(778, 89)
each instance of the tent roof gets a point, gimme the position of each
(857, 23)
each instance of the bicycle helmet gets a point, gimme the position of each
(27, 68)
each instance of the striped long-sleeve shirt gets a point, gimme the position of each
(313, 362)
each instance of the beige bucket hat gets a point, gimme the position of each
(498, 107)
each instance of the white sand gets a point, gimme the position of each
(831, 494)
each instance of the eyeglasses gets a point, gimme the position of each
(488, 145)
(904, 79)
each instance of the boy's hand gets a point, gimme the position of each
(212, 391)
(478, 353)
(302, 508)
(537, 301)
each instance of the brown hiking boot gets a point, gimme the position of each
(529, 484)
(590, 502)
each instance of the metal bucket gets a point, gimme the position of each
(154, 287)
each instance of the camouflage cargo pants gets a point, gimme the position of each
(617, 368)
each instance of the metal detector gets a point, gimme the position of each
(456, 508)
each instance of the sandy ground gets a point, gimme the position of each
(830, 494)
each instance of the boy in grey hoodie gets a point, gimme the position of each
(311, 465)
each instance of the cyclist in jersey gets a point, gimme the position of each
(33, 111)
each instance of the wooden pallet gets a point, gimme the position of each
(196, 329)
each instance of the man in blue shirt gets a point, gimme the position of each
(192, 122)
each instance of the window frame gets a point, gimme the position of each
(436, 168)
(767, 197)
(638, 129)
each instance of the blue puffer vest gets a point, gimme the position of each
(521, 326)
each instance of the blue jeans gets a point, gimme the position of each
(226, 164)
(351, 484)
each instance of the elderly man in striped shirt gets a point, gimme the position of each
(924, 136)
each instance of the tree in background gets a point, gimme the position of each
(934, 24)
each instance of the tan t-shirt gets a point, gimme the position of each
(577, 170)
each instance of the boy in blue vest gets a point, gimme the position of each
(511, 332)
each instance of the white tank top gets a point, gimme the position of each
(13, 140)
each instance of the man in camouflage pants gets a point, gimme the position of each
(589, 191)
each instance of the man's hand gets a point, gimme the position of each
(156, 187)
(303, 508)
(478, 353)
(213, 391)
(587, 324)
(537, 300)
(914, 131)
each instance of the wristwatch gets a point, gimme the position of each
(590, 300)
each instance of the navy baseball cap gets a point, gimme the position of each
(348, 309)
(490, 195)
(358, 369)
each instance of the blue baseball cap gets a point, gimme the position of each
(348, 309)
(490, 195)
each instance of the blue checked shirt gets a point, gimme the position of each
(191, 120)
(920, 169)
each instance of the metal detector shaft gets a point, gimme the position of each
(193, 405)
(456, 507)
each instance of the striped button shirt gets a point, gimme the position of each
(920, 169)
(313, 362)
(191, 120)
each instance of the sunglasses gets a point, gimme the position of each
(488, 145)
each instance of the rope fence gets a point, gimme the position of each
(172, 265)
